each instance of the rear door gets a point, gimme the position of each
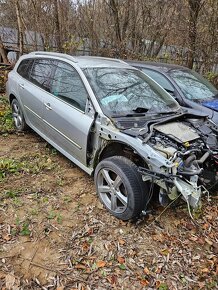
(33, 87)
(66, 121)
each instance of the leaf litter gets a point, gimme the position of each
(55, 234)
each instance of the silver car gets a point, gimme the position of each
(118, 125)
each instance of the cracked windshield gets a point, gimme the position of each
(125, 91)
(193, 85)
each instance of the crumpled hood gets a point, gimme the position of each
(178, 131)
(212, 104)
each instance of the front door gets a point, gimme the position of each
(66, 121)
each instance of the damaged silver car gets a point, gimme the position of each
(118, 125)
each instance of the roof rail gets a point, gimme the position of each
(107, 58)
(61, 55)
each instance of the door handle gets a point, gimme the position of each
(21, 86)
(48, 106)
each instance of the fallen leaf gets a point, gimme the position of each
(205, 270)
(158, 270)
(165, 252)
(159, 238)
(92, 257)
(122, 267)
(7, 237)
(2, 275)
(208, 241)
(201, 241)
(100, 205)
(177, 222)
(157, 283)
(206, 226)
(85, 246)
(144, 282)
(121, 242)
(121, 260)
(146, 271)
(215, 248)
(193, 238)
(112, 279)
(210, 217)
(190, 226)
(201, 285)
(101, 264)
(80, 266)
(90, 231)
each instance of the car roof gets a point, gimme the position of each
(156, 65)
(83, 61)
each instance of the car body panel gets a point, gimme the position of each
(72, 129)
(31, 98)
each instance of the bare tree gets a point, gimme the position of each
(185, 31)
(20, 27)
(194, 9)
(57, 25)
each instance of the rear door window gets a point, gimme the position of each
(24, 68)
(42, 73)
(68, 86)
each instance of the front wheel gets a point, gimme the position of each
(120, 187)
(18, 116)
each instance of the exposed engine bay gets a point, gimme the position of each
(191, 148)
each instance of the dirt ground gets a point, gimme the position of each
(55, 234)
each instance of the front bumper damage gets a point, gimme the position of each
(190, 192)
(176, 185)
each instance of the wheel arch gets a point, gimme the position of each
(117, 148)
(11, 98)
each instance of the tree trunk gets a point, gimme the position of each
(57, 26)
(20, 27)
(114, 9)
(194, 9)
(3, 51)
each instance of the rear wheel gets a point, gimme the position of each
(18, 116)
(120, 187)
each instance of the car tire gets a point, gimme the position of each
(18, 117)
(120, 187)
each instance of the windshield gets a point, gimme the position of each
(193, 85)
(122, 91)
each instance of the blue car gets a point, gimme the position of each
(188, 87)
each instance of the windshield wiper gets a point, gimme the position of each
(152, 110)
(141, 110)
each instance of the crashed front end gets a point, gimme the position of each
(181, 158)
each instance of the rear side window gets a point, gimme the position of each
(42, 72)
(24, 68)
(159, 78)
(68, 86)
